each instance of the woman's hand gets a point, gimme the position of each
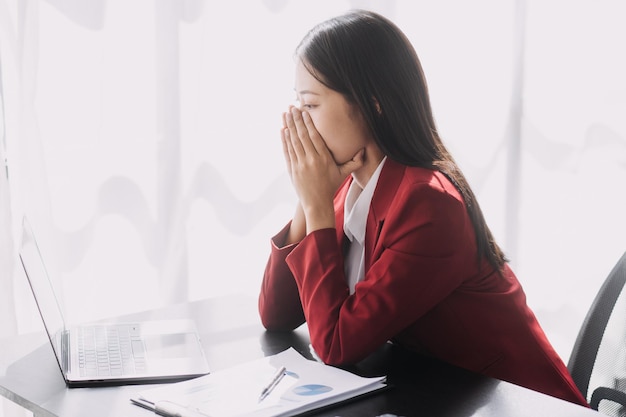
(312, 168)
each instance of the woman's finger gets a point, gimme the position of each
(316, 139)
(288, 151)
(284, 141)
(303, 132)
(294, 138)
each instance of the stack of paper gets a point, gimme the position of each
(307, 385)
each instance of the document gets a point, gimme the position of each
(303, 385)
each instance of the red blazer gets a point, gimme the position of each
(423, 288)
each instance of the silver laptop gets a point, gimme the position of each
(111, 353)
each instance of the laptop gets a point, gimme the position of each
(112, 353)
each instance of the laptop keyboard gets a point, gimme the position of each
(110, 350)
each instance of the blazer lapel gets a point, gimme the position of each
(388, 183)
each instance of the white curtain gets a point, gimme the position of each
(7, 254)
(142, 141)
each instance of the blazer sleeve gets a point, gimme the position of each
(279, 303)
(423, 247)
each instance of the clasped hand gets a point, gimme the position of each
(314, 172)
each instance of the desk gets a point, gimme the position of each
(231, 333)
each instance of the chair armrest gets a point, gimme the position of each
(606, 393)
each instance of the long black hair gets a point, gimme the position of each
(369, 60)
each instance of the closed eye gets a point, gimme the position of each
(305, 95)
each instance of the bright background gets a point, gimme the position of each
(141, 139)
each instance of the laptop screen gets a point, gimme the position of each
(44, 295)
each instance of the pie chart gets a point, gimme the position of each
(311, 389)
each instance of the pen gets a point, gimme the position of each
(272, 384)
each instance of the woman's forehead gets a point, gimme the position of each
(307, 83)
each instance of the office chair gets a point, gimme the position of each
(598, 359)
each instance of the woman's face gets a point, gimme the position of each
(340, 124)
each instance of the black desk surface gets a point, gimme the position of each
(231, 333)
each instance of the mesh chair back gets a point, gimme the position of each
(598, 359)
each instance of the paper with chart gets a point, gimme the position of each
(235, 391)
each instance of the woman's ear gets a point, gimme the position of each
(377, 105)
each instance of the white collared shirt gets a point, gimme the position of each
(356, 210)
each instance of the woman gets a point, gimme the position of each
(388, 242)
